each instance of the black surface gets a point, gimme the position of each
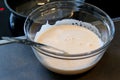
(111, 7)
(4, 21)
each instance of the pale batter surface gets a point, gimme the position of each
(70, 38)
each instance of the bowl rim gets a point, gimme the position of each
(81, 55)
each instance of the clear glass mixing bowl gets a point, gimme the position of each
(60, 10)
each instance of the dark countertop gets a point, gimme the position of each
(18, 62)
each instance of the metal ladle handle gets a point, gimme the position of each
(23, 40)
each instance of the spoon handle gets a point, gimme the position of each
(5, 41)
(37, 46)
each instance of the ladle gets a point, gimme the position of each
(23, 40)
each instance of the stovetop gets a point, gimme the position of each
(108, 7)
(4, 20)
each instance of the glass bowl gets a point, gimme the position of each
(73, 13)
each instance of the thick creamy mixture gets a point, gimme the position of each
(70, 38)
(74, 40)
